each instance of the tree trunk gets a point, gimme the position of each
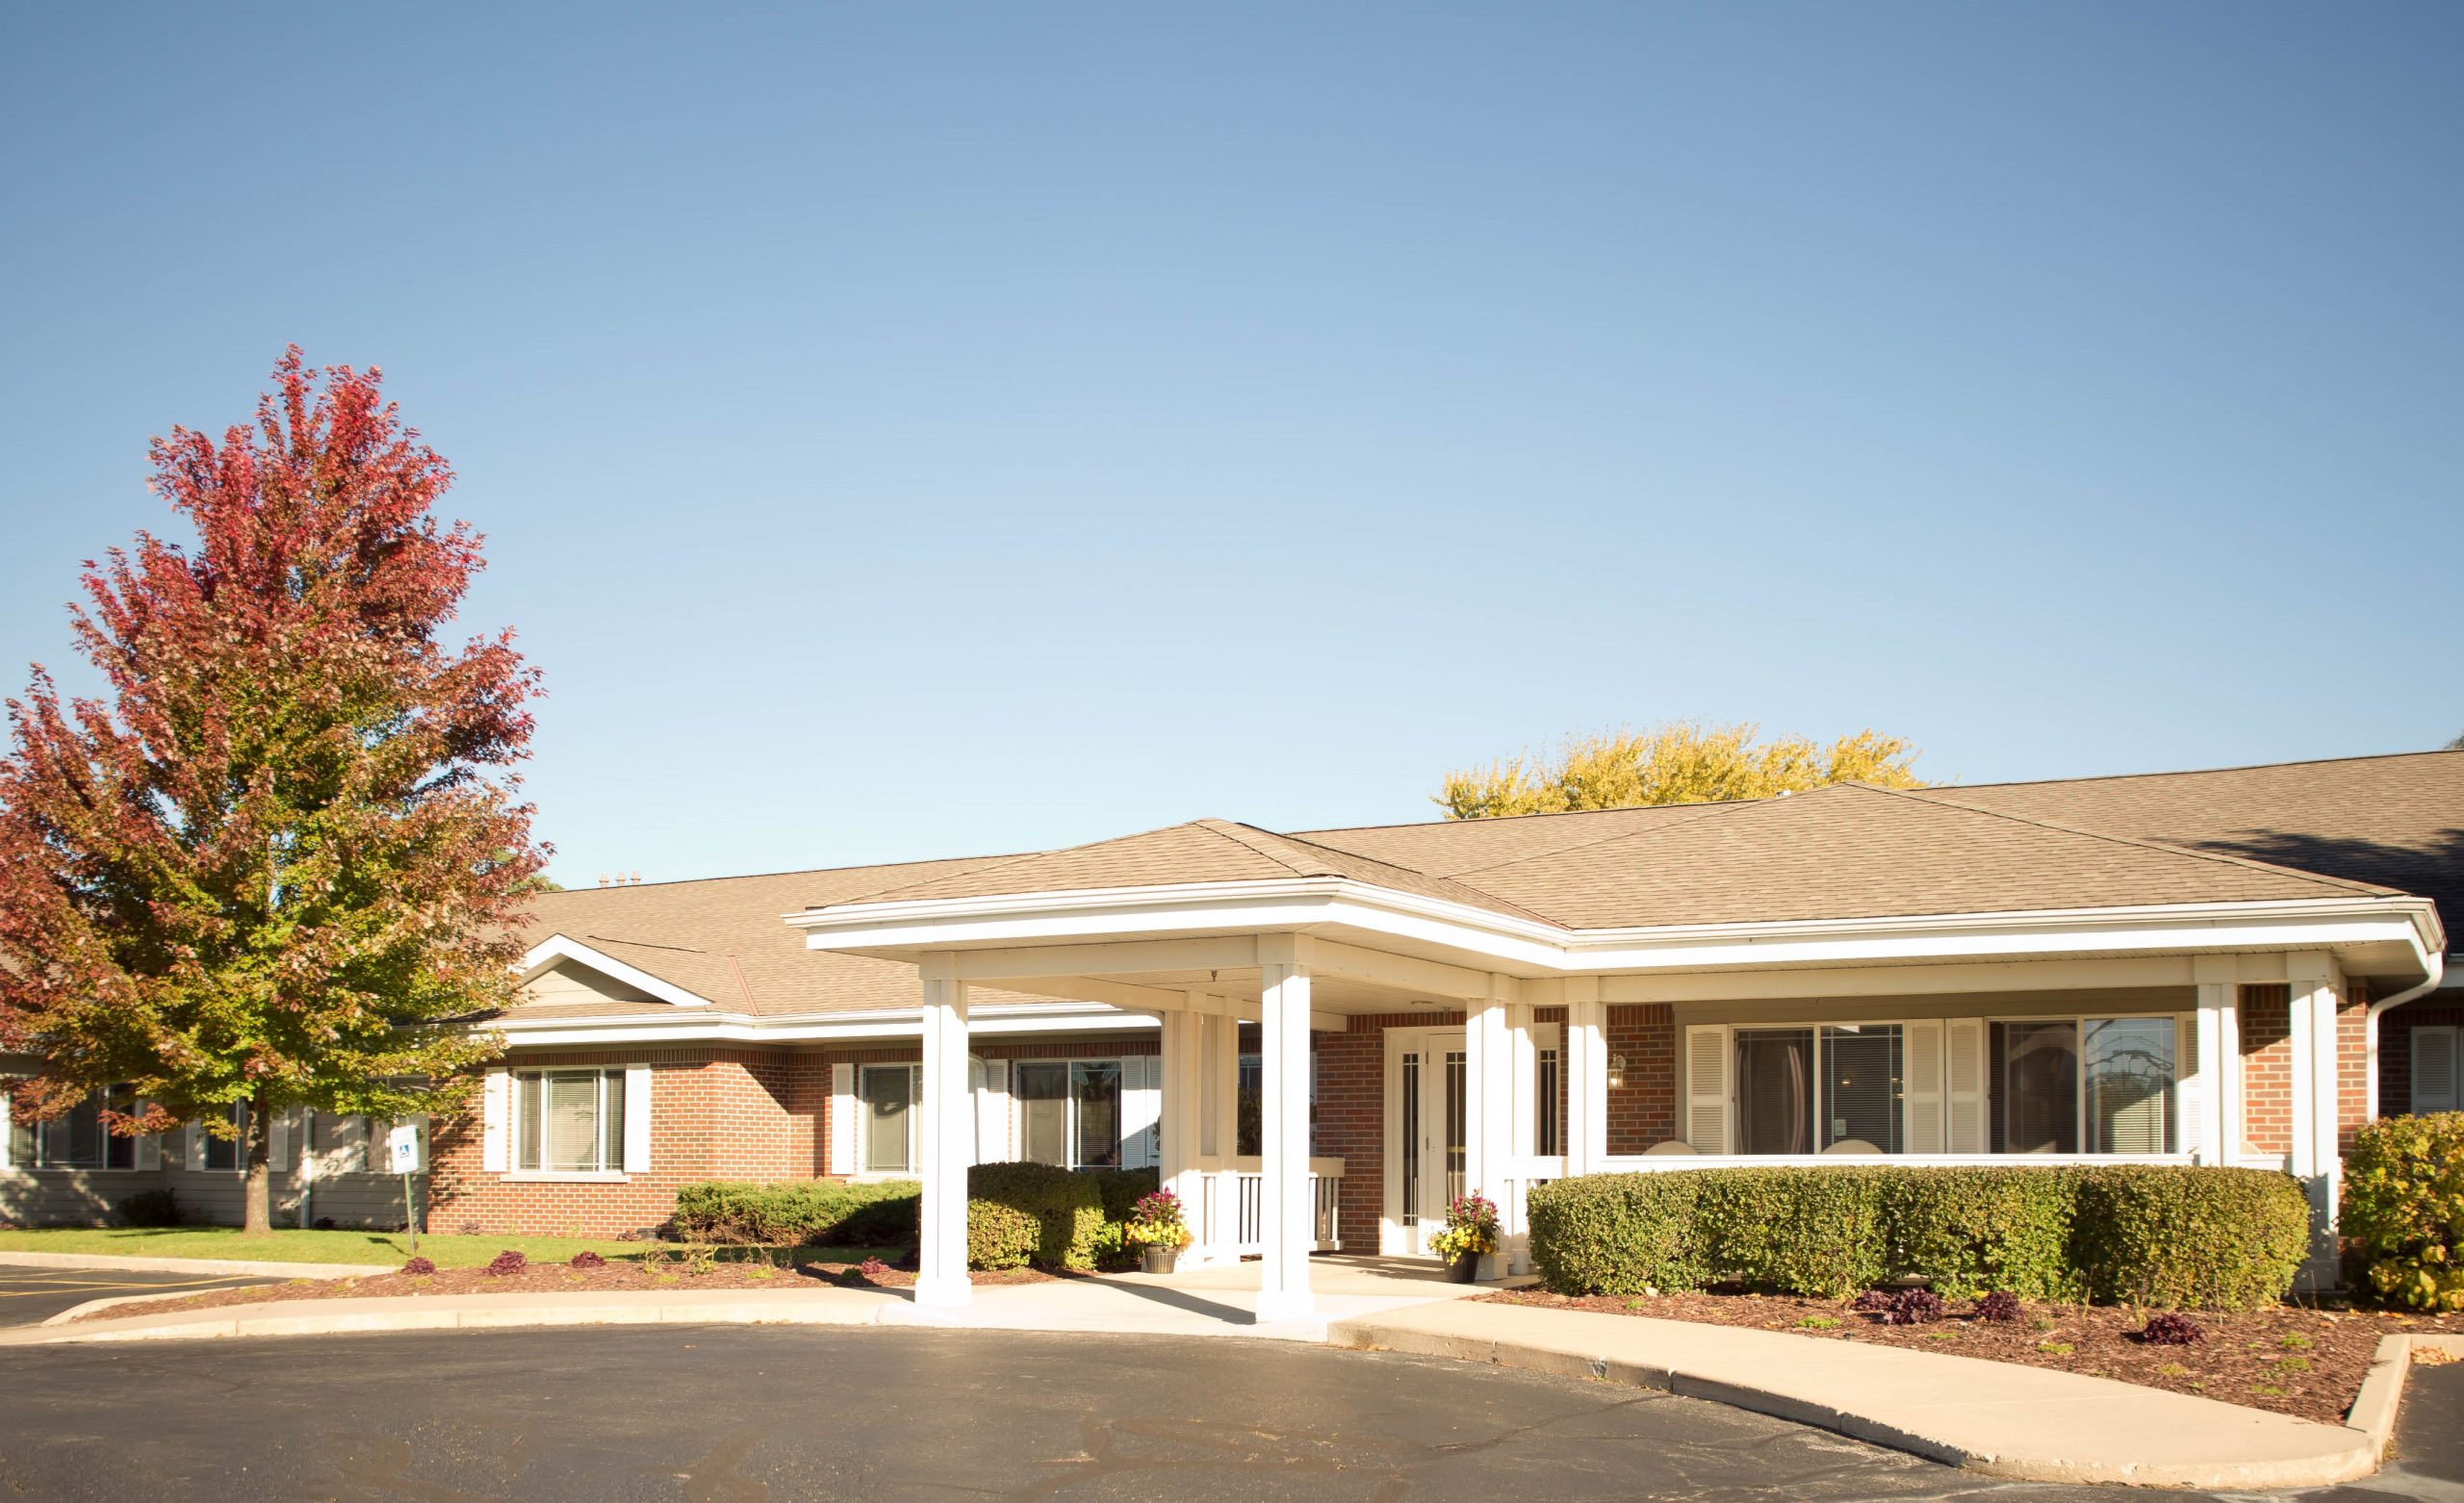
(257, 1217)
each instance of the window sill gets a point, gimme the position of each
(552, 1177)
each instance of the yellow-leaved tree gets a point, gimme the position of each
(1677, 762)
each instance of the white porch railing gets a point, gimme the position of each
(1228, 1217)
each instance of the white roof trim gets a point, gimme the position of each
(556, 948)
(1530, 947)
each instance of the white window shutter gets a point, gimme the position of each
(638, 1119)
(1921, 1093)
(8, 1130)
(992, 1112)
(1142, 1109)
(1964, 1067)
(279, 1142)
(842, 1119)
(192, 1152)
(2434, 1085)
(1706, 1088)
(149, 1148)
(496, 1107)
(2189, 1091)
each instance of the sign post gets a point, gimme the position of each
(407, 1149)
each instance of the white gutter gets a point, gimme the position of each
(2370, 1026)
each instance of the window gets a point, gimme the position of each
(1549, 1125)
(76, 1140)
(569, 1121)
(1070, 1111)
(887, 1095)
(1801, 1090)
(2097, 1085)
(224, 1152)
(1248, 1103)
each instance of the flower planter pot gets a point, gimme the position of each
(1158, 1259)
(1465, 1268)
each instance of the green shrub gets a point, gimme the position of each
(2405, 1209)
(1000, 1236)
(1806, 1231)
(1973, 1230)
(1618, 1234)
(1122, 1189)
(2179, 1238)
(1068, 1207)
(2206, 1238)
(156, 1207)
(811, 1213)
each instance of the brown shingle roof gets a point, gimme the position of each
(1202, 850)
(725, 939)
(1855, 852)
(2395, 821)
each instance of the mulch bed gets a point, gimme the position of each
(558, 1279)
(2301, 1360)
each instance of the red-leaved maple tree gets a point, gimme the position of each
(280, 864)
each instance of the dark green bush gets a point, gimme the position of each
(1000, 1236)
(1070, 1207)
(2405, 1209)
(1122, 1189)
(2179, 1238)
(1974, 1231)
(1810, 1231)
(2205, 1237)
(158, 1207)
(1618, 1234)
(787, 1212)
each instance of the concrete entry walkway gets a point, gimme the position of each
(1221, 1300)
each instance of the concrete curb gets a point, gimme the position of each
(206, 1265)
(478, 1311)
(2346, 1452)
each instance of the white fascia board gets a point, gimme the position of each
(1530, 949)
(557, 947)
(1006, 1018)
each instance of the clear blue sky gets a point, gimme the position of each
(920, 430)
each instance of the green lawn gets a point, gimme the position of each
(380, 1249)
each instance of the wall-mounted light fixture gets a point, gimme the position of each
(1616, 1072)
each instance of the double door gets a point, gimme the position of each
(1428, 1131)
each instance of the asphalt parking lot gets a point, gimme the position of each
(764, 1415)
(30, 1296)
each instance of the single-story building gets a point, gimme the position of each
(1319, 1038)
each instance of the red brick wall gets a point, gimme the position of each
(2266, 1067)
(1351, 1116)
(715, 1113)
(1644, 1111)
(2352, 1063)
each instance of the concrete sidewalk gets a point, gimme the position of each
(2000, 1418)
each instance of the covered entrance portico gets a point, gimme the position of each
(1486, 1050)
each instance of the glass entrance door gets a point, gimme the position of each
(1431, 1125)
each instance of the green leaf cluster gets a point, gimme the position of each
(2403, 1209)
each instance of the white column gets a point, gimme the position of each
(946, 1143)
(1283, 1122)
(2316, 1159)
(1586, 1056)
(1497, 1038)
(1178, 1169)
(2219, 998)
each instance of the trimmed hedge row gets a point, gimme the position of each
(2176, 1237)
(1018, 1213)
(798, 1212)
